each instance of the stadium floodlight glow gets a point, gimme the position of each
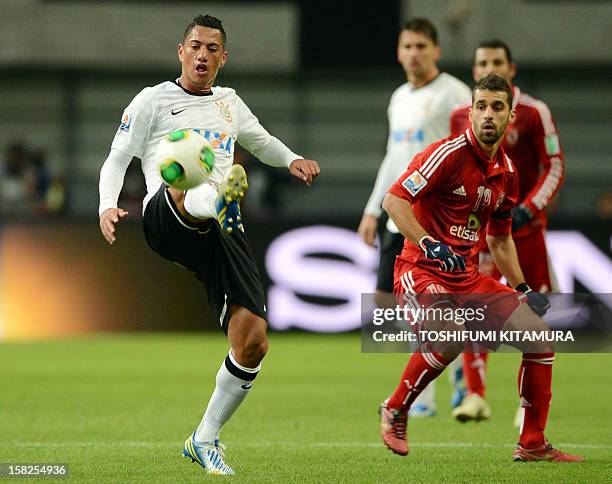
(295, 269)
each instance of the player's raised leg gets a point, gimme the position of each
(231, 192)
(203, 202)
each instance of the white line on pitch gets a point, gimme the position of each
(452, 445)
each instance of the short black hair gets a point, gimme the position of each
(206, 21)
(494, 44)
(423, 26)
(493, 82)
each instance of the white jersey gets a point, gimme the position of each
(220, 116)
(417, 118)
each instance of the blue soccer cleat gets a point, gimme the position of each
(457, 381)
(231, 193)
(458, 397)
(209, 456)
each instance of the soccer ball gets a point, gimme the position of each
(184, 159)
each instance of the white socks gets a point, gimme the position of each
(200, 202)
(233, 383)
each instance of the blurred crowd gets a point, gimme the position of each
(28, 188)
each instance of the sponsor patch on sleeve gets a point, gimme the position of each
(552, 144)
(414, 183)
(126, 122)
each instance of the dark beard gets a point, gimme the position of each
(489, 139)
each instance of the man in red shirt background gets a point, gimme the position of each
(532, 143)
(450, 192)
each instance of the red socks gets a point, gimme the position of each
(535, 382)
(475, 371)
(421, 369)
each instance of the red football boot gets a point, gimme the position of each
(544, 453)
(393, 429)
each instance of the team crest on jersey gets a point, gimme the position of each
(512, 136)
(500, 199)
(414, 183)
(224, 111)
(126, 122)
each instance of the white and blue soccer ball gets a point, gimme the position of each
(184, 159)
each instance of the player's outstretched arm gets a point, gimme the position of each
(109, 218)
(305, 170)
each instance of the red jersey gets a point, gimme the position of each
(532, 142)
(455, 191)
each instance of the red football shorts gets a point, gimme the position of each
(418, 287)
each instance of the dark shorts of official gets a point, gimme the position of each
(222, 262)
(391, 246)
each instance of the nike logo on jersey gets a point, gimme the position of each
(174, 112)
(460, 191)
(247, 386)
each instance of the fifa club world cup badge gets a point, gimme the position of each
(414, 183)
(126, 122)
(224, 111)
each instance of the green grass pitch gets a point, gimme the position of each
(117, 408)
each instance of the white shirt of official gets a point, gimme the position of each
(221, 117)
(417, 117)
